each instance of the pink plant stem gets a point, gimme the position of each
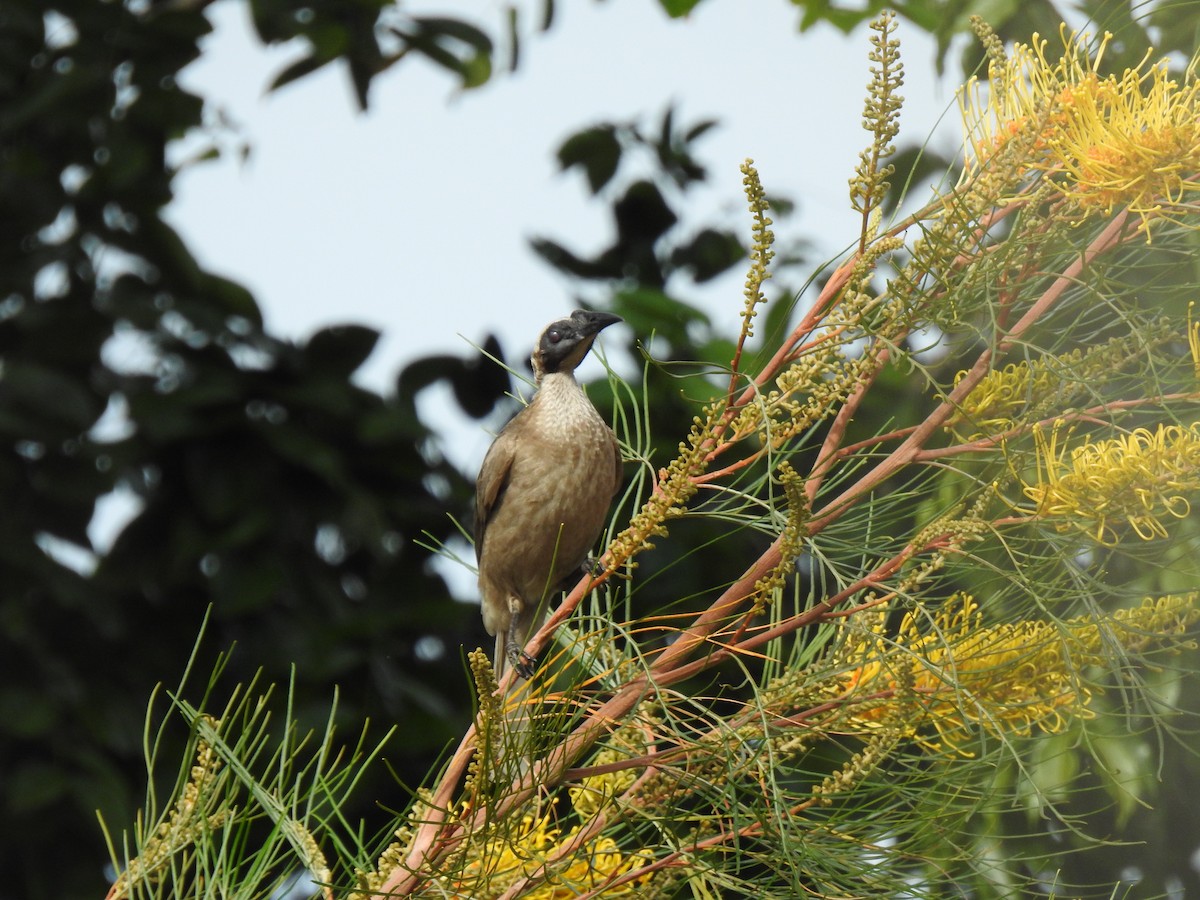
(911, 447)
(672, 665)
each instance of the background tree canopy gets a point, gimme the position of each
(273, 488)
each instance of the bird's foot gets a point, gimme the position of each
(523, 664)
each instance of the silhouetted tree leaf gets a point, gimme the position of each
(699, 129)
(642, 215)
(456, 29)
(306, 65)
(677, 8)
(596, 150)
(709, 253)
(453, 44)
(564, 260)
(340, 349)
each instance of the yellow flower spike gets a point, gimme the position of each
(964, 675)
(1138, 479)
(502, 857)
(1025, 391)
(184, 826)
(596, 792)
(998, 400)
(1193, 336)
(1106, 142)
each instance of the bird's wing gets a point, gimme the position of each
(492, 480)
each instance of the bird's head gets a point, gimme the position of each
(565, 343)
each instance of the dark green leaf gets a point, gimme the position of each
(250, 588)
(49, 392)
(709, 253)
(596, 150)
(232, 298)
(301, 67)
(781, 206)
(648, 311)
(566, 261)
(845, 20)
(271, 20)
(340, 349)
(21, 719)
(643, 214)
(437, 28)
(304, 449)
(699, 129)
(476, 70)
(514, 39)
(718, 351)
(33, 787)
(928, 15)
(678, 8)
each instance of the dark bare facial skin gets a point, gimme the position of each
(564, 343)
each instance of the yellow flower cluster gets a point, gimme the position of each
(963, 675)
(997, 402)
(1137, 479)
(596, 792)
(1129, 141)
(534, 849)
(1193, 336)
(1026, 390)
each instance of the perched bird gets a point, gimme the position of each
(543, 492)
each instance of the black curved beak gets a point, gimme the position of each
(591, 323)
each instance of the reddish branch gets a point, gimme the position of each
(696, 647)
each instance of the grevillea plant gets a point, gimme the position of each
(1003, 561)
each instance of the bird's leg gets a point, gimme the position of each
(521, 661)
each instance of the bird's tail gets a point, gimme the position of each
(500, 659)
(517, 737)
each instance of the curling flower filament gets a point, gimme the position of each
(1107, 141)
(962, 675)
(536, 848)
(1139, 479)
(1193, 336)
(998, 400)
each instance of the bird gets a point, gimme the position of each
(543, 492)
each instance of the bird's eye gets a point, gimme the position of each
(553, 337)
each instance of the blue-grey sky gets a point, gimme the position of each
(415, 216)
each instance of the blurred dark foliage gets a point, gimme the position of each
(1167, 27)
(264, 482)
(261, 480)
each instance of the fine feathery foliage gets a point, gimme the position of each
(255, 806)
(1007, 562)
